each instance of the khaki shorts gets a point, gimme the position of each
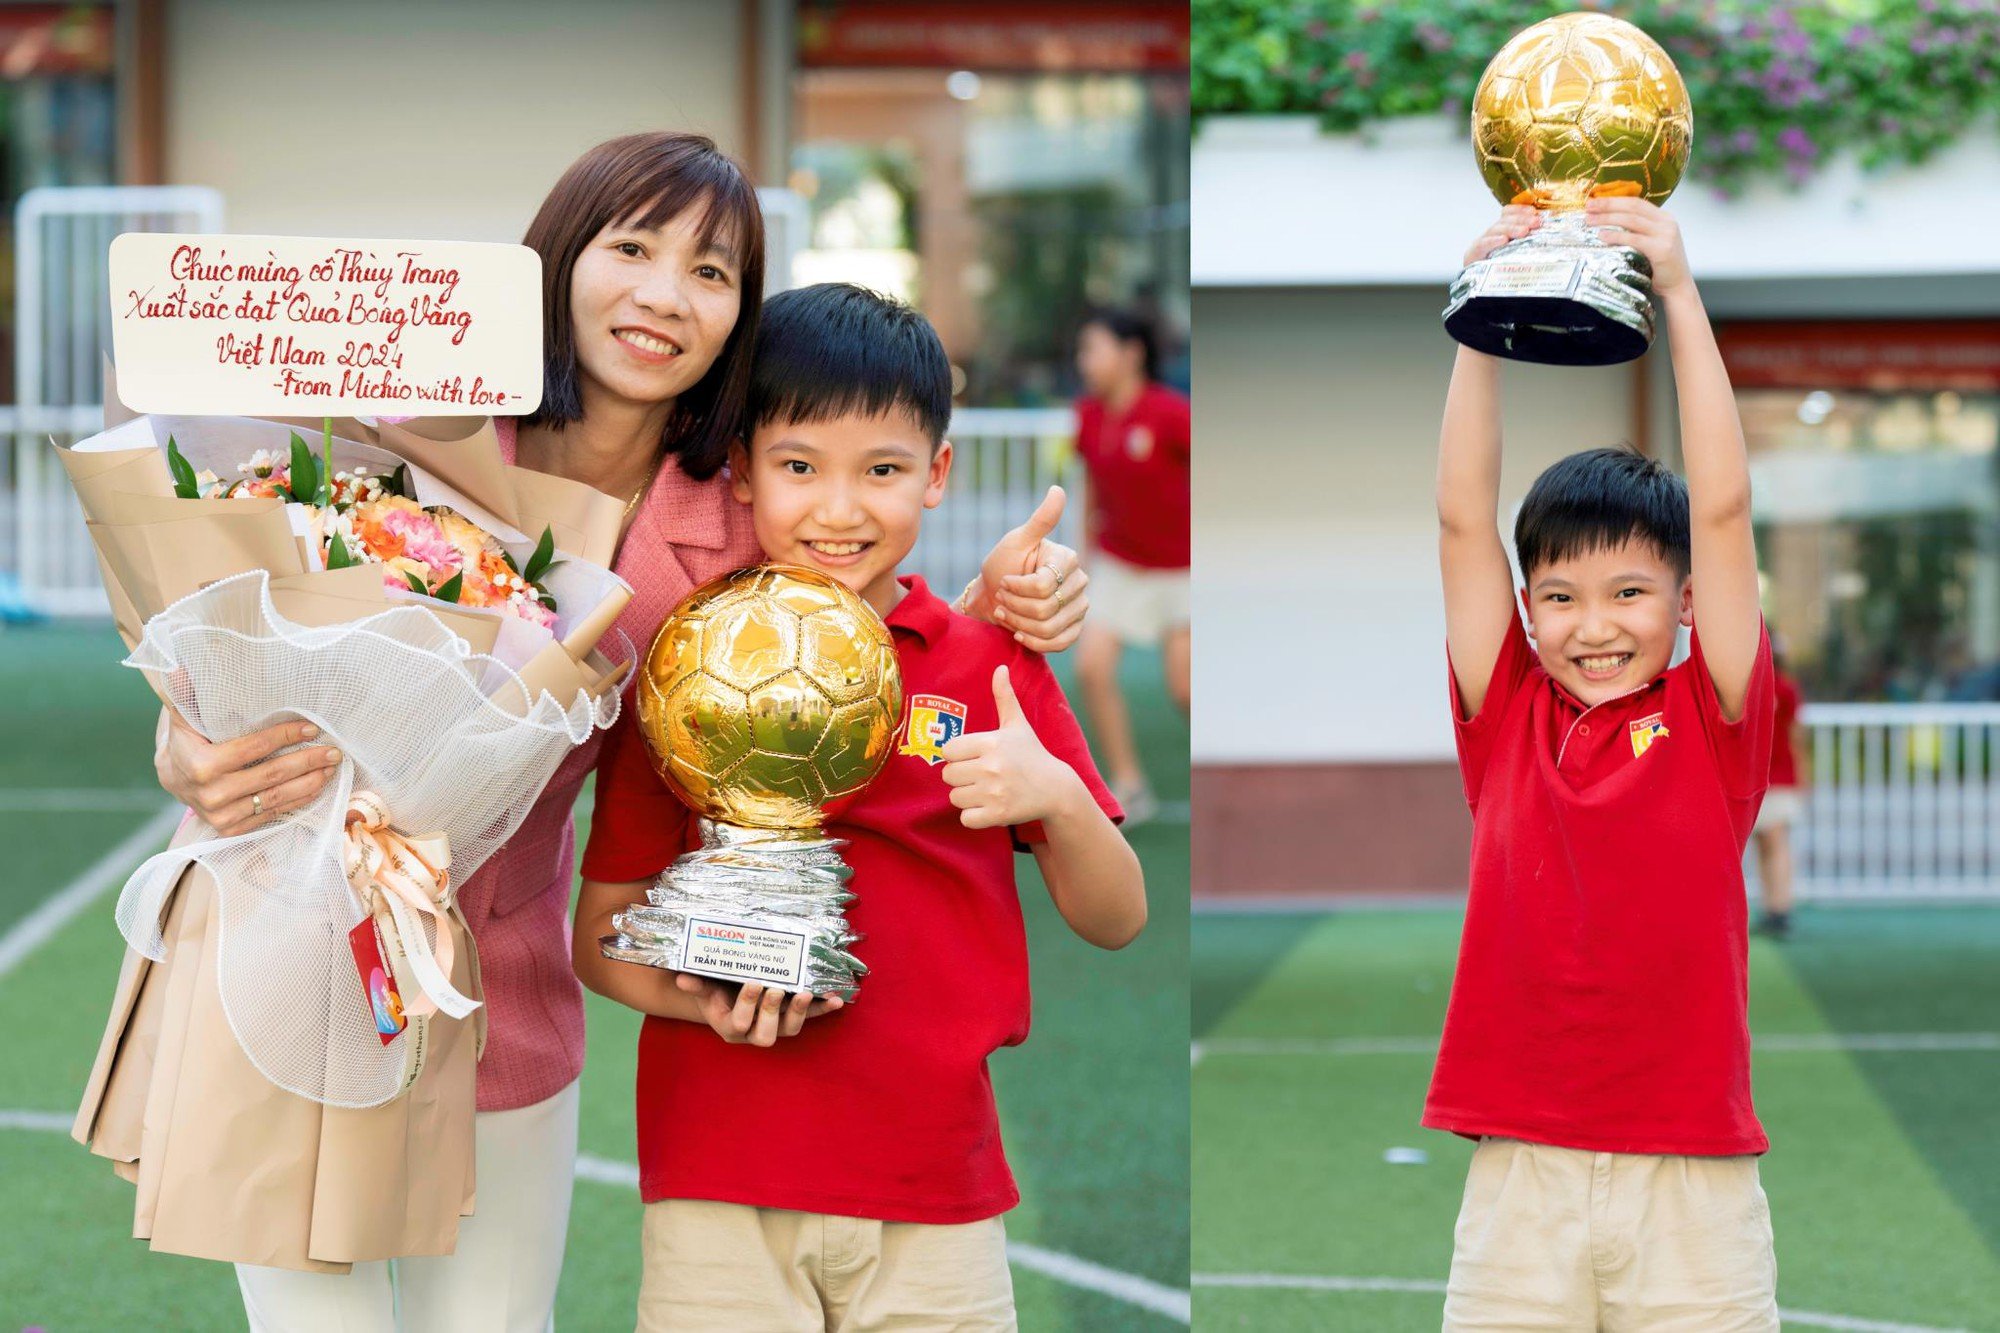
(1559, 1238)
(1782, 807)
(727, 1268)
(1137, 605)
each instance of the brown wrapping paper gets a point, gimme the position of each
(230, 1167)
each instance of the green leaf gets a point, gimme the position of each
(545, 549)
(510, 561)
(185, 484)
(399, 482)
(305, 471)
(337, 556)
(448, 591)
(547, 601)
(416, 584)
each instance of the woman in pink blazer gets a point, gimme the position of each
(652, 249)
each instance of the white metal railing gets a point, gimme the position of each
(1903, 802)
(1005, 459)
(62, 335)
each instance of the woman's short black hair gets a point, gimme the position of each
(1599, 499)
(834, 350)
(647, 180)
(1128, 326)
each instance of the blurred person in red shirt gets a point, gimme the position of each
(1133, 434)
(1784, 802)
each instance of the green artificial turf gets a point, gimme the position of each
(1881, 1175)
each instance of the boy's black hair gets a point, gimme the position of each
(1598, 499)
(1128, 326)
(834, 349)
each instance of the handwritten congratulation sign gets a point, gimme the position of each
(305, 326)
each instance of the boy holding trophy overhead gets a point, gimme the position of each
(852, 1172)
(1597, 1041)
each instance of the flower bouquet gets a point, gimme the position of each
(288, 1071)
(404, 610)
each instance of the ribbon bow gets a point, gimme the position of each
(411, 876)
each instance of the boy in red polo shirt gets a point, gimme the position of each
(1597, 1042)
(851, 1174)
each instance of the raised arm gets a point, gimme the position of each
(1478, 582)
(1727, 612)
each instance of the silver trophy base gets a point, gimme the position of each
(1559, 296)
(761, 905)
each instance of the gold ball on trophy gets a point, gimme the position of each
(1581, 104)
(768, 695)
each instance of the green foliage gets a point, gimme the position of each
(1776, 87)
(185, 484)
(538, 563)
(337, 556)
(304, 478)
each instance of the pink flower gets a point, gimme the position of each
(422, 539)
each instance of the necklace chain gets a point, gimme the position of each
(644, 486)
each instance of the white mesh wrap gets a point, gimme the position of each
(401, 696)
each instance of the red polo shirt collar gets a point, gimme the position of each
(921, 612)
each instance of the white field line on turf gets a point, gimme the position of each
(39, 926)
(1314, 1282)
(1065, 1268)
(73, 800)
(1767, 1043)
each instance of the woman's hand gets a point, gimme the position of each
(237, 785)
(1031, 585)
(751, 1014)
(1515, 221)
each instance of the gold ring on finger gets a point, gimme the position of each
(1054, 573)
(257, 803)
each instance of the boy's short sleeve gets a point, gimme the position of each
(637, 826)
(1048, 712)
(1743, 747)
(1475, 735)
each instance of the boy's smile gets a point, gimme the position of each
(1604, 621)
(845, 495)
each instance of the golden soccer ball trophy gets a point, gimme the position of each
(1574, 106)
(770, 696)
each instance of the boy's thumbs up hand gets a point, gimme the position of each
(1004, 776)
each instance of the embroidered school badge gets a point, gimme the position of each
(934, 720)
(1139, 443)
(1647, 730)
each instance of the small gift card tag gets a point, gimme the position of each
(378, 982)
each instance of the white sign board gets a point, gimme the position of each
(308, 326)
